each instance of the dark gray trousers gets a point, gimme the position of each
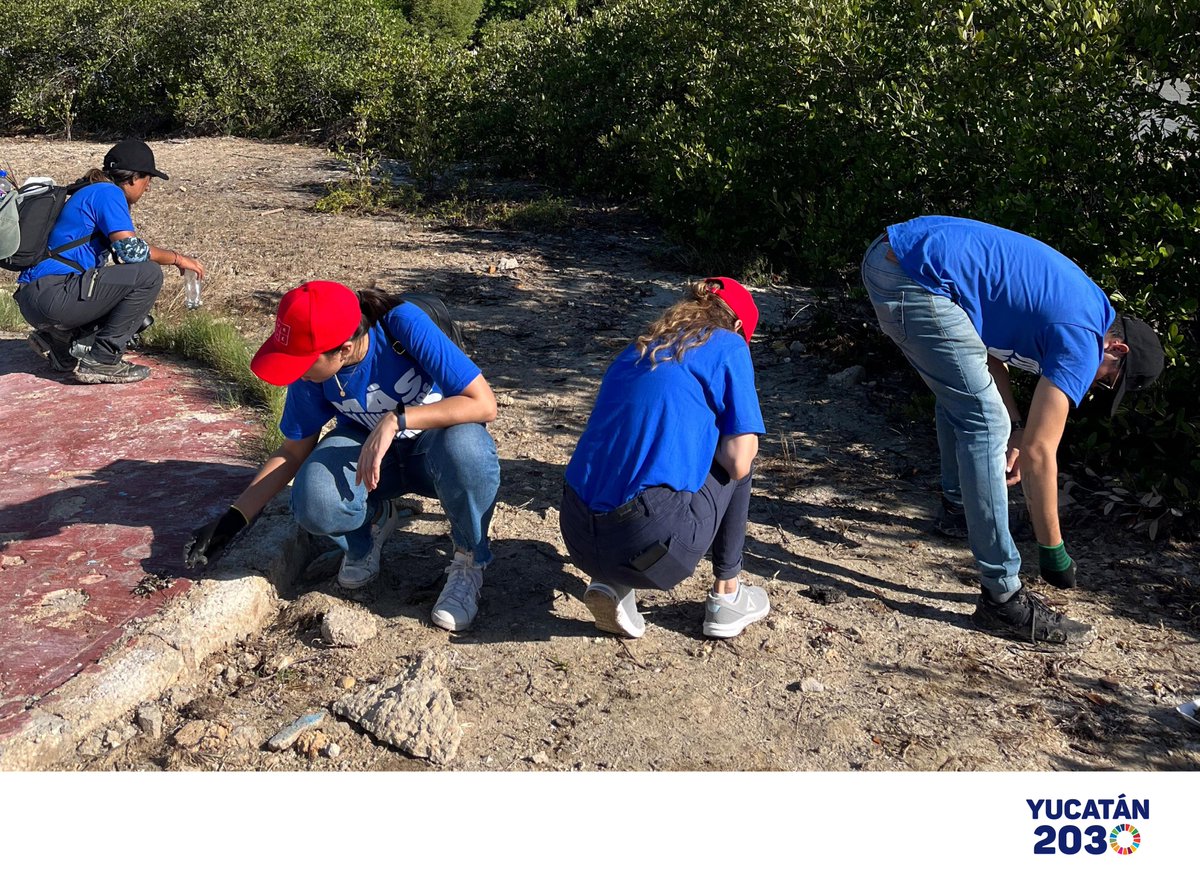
(115, 300)
(657, 539)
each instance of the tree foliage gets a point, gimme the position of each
(790, 130)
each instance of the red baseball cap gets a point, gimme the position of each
(313, 319)
(740, 301)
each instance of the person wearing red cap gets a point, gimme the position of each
(965, 301)
(410, 408)
(662, 471)
(84, 311)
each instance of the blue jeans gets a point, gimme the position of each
(456, 465)
(973, 426)
(671, 529)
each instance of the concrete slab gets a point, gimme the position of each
(102, 487)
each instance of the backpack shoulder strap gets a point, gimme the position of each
(391, 339)
(436, 310)
(56, 253)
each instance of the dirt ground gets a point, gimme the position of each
(868, 659)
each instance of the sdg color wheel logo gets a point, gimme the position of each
(1125, 839)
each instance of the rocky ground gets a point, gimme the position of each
(868, 659)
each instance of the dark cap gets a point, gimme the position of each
(1144, 362)
(132, 155)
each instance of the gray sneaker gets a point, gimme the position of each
(54, 346)
(357, 572)
(615, 609)
(91, 370)
(723, 619)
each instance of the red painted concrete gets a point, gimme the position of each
(102, 486)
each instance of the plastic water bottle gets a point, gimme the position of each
(191, 289)
(6, 185)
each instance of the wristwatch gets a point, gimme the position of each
(398, 410)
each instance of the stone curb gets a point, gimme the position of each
(240, 598)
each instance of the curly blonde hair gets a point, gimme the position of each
(686, 324)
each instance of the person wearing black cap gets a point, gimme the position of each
(965, 301)
(83, 311)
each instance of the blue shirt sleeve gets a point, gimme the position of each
(1071, 358)
(305, 411)
(110, 211)
(732, 393)
(431, 349)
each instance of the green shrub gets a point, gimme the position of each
(447, 21)
(796, 130)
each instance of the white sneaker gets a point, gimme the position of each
(357, 572)
(615, 609)
(459, 601)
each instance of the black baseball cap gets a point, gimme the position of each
(1142, 364)
(132, 155)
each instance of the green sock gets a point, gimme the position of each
(1053, 557)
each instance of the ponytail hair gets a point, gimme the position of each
(374, 305)
(686, 324)
(120, 177)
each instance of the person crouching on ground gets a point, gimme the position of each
(963, 300)
(410, 409)
(73, 292)
(662, 471)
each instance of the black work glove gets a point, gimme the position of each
(208, 540)
(1056, 567)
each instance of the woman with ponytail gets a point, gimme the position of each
(662, 472)
(85, 311)
(410, 408)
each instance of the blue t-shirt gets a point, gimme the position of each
(1033, 307)
(97, 210)
(659, 427)
(432, 367)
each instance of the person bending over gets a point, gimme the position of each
(964, 300)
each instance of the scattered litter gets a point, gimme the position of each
(508, 264)
(826, 594)
(151, 583)
(284, 739)
(1190, 711)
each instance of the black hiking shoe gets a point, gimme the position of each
(1025, 616)
(92, 371)
(55, 347)
(950, 521)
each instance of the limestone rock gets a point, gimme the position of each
(348, 627)
(308, 608)
(245, 737)
(852, 376)
(416, 715)
(202, 736)
(149, 718)
(312, 743)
